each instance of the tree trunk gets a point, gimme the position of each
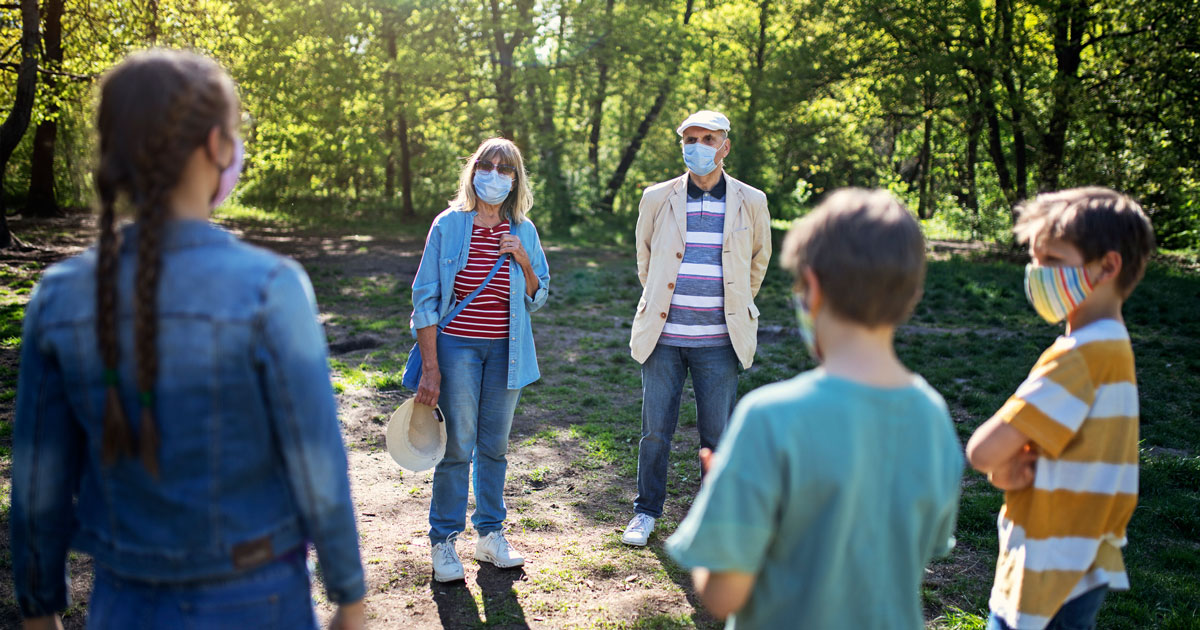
(923, 209)
(407, 209)
(1070, 21)
(18, 117)
(749, 153)
(41, 200)
(635, 143)
(979, 65)
(1016, 100)
(502, 58)
(974, 126)
(389, 128)
(601, 94)
(152, 22)
(558, 197)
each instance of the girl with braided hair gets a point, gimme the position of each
(175, 419)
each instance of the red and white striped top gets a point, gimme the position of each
(486, 317)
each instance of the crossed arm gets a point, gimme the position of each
(1003, 453)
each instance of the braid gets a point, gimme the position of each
(160, 163)
(146, 139)
(117, 440)
(149, 262)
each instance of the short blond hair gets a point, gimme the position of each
(500, 151)
(866, 250)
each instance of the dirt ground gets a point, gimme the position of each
(566, 507)
(565, 520)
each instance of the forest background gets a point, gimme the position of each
(359, 114)
(962, 108)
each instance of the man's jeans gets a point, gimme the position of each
(478, 407)
(1077, 614)
(714, 378)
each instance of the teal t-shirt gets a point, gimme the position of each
(835, 495)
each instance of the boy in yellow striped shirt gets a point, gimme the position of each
(1064, 446)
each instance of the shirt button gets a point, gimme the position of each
(670, 285)
(662, 315)
(679, 255)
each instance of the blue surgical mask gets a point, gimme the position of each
(700, 158)
(807, 332)
(492, 187)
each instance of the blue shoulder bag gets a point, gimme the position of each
(412, 368)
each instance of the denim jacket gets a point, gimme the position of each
(251, 458)
(446, 250)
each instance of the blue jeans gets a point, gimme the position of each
(272, 596)
(478, 407)
(1076, 614)
(714, 378)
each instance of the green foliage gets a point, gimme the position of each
(960, 108)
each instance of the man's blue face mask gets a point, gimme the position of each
(700, 158)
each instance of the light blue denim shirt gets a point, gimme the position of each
(446, 251)
(251, 459)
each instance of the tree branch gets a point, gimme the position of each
(13, 67)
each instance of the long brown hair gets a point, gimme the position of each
(156, 108)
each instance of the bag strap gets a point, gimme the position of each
(467, 300)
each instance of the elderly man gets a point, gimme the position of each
(703, 244)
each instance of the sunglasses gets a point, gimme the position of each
(487, 166)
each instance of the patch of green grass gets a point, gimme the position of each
(538, 475)
(384, 375)
(325, 215)
(956, 618)
(531, 524)
(545, 435)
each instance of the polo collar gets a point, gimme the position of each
(695, 192)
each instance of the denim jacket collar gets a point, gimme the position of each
(180, 234)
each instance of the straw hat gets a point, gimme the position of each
(416, 436)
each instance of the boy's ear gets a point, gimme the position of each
(813, 292)
(1110, 265)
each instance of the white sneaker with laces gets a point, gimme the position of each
(446, 565)
(638, 530)
(495, 549)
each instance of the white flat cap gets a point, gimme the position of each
(707, 119)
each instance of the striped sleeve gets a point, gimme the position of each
(1052, 403)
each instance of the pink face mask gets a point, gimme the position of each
(229, 175)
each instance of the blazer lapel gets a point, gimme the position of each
(679, 205)
(733, 206)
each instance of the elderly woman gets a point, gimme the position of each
(474, 367)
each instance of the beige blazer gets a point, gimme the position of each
(661, 230)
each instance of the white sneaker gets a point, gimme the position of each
(495, 549)
(638, 530)
(446, 565)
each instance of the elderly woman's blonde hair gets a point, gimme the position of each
(497, 151)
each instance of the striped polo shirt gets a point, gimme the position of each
(1062, 536)
(697, 314)
(486, 317)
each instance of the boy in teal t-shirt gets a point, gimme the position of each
(830, 492)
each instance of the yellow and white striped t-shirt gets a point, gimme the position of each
(1062, 536)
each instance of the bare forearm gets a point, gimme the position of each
(427, 340)
(532, 283)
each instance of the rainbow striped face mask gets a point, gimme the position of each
(1056, 291)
